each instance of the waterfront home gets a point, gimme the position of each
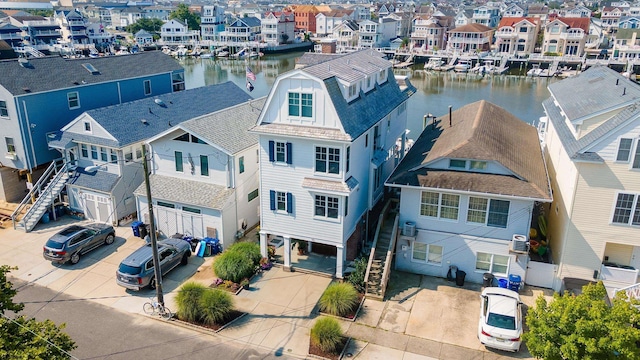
(513, 10)
(626, 44)
(204, 177)
(575, 11)
(566, 36)
(463, 17)
(346, 35)
(468, 189)
(592, 147)
(212, 22)
(278, 28)
(73, 28)
(429, 32)
(486, 15)
(470, 38)
(11, 34)
(327, 138)
(326, 21)
(104, 146)
(241, 31)
(99, 36)
(611, 17)
(373, 34)
(39, 32)
(516, 36)
(305, 16)
(176, 32)
(142, 37)
(42, 95)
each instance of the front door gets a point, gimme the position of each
(635, 257)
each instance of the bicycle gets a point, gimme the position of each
(155, 308)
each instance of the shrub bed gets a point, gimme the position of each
(339, 299)
(200, 305)
(327, 339)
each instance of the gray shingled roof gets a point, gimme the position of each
(351, 67)
(53, 72)
(601, 89)
(228, 128)
(124, 121)
(196, 193)
(311, 58)
(481, 131)
(99, 180)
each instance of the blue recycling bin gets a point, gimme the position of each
(503, 283)
(514, 282)
(213, 244)
(135, 226)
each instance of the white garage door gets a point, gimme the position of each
(98, 207)
(167, 221)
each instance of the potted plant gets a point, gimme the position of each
(302, 246)
(245, 284)
(265, 264)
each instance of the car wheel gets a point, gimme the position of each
(110, 239)
(75, 258)
(185, 259)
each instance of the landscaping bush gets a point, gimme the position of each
(339, 299)
(233, 266)
(248, 249)
(356, 278)
(326, 334)
(188, 301)
(216, 306)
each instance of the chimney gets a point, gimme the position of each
(328, 47)
(450, 115)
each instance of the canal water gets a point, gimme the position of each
(436, 91)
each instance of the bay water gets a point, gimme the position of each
(436, 91)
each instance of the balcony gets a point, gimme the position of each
(13, 36)
(618, 276)
(573, 36)
(47, 33)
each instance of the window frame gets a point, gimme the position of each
(253, 195)
(241, 164)
(4, 109)
(11, 145)
(635, 156)
(427, 253)
(440, 205)
(94, 152)
(634, 210)
(147, 87)
(492, 264)
(71, 99)
(328, 157)
(329, 207)
(179, 164)
(204, 165)
(87, 126)
(300, 104)
(84, 151)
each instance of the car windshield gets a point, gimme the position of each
(54, 244)
(131, 270)
(501, 321)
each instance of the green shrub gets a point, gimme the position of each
(233, 266)
(188, 301)
(356, 278)
(326, 334)
(249, 249)
(216, 305)
(339, 299)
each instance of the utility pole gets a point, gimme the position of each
(152, 232)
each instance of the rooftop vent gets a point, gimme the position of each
(161, 103)
(144, 121)
(24, 62)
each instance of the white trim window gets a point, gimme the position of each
(87, 126)
(73, 98)
(4, 111)
(84, 151)
(490, 212)
(495, 264)
(627, 209)
(624, 149)
(427, 253)
(327, 206)
(301, 104)
(327, 160)
(438, 205)
(636, 157)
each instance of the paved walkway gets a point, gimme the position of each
(424, 318)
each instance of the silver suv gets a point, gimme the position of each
(136, 271)
(76, 240)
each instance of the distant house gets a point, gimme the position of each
(105, 146)
(204, 181)
(375, 34)
(468, 187)
(327, 137)
(176, 32)
(470, 38)
(143, 37)
(516, 35)
(486, 15)
(592, 147)
(610, 17)
(11, 34)
(629, 22)
(31, 109)
(346, 35)
(627, 44)
(39, 32)
(430, 32)
(513, 10)
(212, 22)
(566, 36)
(305, 17)
(326, 21)
(241, 30)
(463, 17)
(278, 28)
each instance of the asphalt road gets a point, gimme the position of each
(101, 332)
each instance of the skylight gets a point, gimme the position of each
(90, 68)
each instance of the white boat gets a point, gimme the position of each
(434, 64)
(181, 51)
(462, 66)
(206, 56)
(222, 54)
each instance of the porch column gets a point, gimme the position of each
(263, 244)
(287, 253)
(340, 257)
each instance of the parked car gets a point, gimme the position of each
(136, 271)
(76, 240)
(500, 325)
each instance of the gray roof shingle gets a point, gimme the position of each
(53, 72)
(99, 180)
(185, 191)
(481, 131)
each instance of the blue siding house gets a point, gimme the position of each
(39, 96)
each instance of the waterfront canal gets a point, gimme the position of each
(436, 91)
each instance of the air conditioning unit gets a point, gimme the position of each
(11, 156)
(409, 229)
(519, 244)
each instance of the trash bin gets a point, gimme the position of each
(451, 275)
(135, 227)
(213, 245)
(487, 279)
(142, 229)
(503, 283)
(514, 282)
(45, 217)
(460, 277)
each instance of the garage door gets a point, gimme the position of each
(167, 221)
(192, 224)
(98, 207)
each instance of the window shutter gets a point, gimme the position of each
(272, 151)
(289, 154)
(289, 203)
(272, 197)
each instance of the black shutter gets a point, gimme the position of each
(272, 197)
(272, 151)
(289, 154)
(289, 203)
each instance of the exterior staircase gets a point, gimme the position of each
(32, 51)
(381, 254)
(43, 195)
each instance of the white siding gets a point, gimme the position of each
(245, 183)
(607, 147)
(77, 127)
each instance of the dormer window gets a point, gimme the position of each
(383, 76)
(353, 90)
(478, 165)
(300, 104)
(457, 164)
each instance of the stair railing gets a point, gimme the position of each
(386, 273)
(381, 220)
